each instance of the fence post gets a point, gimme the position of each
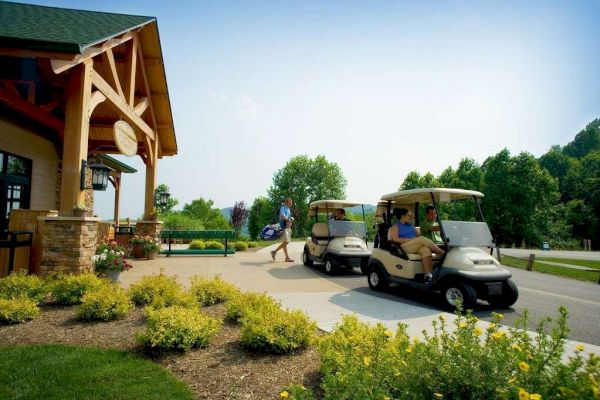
(530, 261)
(499, 255)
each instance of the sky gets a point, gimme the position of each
(381, 88)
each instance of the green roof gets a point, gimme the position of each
(31, 27)
(115, 164)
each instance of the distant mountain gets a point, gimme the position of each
(358, 209)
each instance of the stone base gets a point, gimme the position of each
(68, 244)
(148, 228)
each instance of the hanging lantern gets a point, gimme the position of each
(99, 175)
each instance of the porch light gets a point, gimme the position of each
(163, 198)
(99, 175)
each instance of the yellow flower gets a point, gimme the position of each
(438, 395)
(409, 349)
(500, 316)
(386, 398)
(492, 326)
(442, 318)
(498, 334)
(535, 396)
(477, 331)
(415, 340)
(389, 333)
(367, 360)
(512, 380)
(516, 347)
(462, 325)
(523, 366)
(284, 394)
(580, 347)
(523, 394)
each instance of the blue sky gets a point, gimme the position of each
(381, 88)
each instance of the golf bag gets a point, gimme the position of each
(271, 232)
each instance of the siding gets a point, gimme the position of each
(23, 142)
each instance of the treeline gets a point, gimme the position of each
(555, 198)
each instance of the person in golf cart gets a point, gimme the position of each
(429, 227)
(340, 215)
(405, 235)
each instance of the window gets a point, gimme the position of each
(15, 185)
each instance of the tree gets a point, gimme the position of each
(239, 216)
(172, 203)
(415, 181)
(586, 141)
(262, 212)
(305, 180)
(203, 211)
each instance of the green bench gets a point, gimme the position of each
(191, 235)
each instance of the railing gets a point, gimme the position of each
(123, 234)
(11, 240)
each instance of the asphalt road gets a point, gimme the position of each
(540, 294)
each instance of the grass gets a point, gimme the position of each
(582, 263)
(69, 372)
(521, 263)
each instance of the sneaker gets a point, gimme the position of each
(427, 279)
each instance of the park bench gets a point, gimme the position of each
(170, 236)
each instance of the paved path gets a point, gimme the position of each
(571, 266)
(574, 255)
(325, 299)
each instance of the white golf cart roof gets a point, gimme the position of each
(331, 205)
(424, 195)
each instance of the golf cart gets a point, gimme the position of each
(466, 272)
(333, 242)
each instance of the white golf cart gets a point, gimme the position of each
(466, 272)
(336, 243)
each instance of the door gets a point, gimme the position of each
(15, 185)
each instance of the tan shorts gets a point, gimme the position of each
(287, 235)
(419, 245)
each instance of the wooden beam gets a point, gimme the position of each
(121, 106)
(22, 53)
(96, 98)
(32, 111)
(150, 188)
(148, 92)
(51, 105)
(31, 92)
(149, 150)
(75, 144)
(130, 70)
(60, 66)
(113, 75)
(141, 106)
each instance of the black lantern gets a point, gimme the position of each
(99, 175)
(163, 198)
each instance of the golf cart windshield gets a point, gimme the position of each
(347, 228)
(467, 234)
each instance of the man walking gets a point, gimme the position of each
(285, 219)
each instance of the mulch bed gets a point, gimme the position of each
(223, 370)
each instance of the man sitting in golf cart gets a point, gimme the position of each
(429, 227)
(405, 235)
(340, 215)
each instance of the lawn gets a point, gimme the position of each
(538, 266)
(582, 263)
(71, 372)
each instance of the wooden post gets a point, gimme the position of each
(150, 187)
(117, 197)
(530, 261)
(499, 255)
(75, 145)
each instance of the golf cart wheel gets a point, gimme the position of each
(456, 292)
(377, 280)
(510, 294)
(305, 260)
(329, 267)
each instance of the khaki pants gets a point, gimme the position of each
(419, 245)
(287, 235)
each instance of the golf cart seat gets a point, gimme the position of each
(320, 233)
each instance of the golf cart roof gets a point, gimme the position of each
(331, 205)
(424, 195)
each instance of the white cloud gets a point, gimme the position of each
(216, 95)
(248, 108)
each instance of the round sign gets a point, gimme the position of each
(125, 138)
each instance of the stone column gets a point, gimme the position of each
(148, 228)
(68, 244)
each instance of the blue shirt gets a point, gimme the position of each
(406, 231)
(284, 211)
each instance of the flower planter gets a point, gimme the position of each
(151, 255)
(112, 274)
(138, 251)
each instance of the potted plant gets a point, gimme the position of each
(138, 242)
(80, 211)
(152, 247)
(109, 260)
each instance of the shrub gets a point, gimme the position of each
(160, 291)
(215, 245)
(239, 305)
(106, 303)
(18, 309)
(212, 291)
(22, 285)
(297, 392)
(197, 245)
(252, 244)
(361, 361)
(70, 289)
(276, 332)
(241, 246)
(178, 328)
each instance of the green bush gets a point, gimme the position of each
(22, 285)
(296, 392)
(361, 361)
(239, 305)
(212, 291)
(70, 289)
(106, 303)
(252, 244)
(160, 291)
(276, 332)
(197, 245)
(241, 246)
(18, 309)
(215, 245)
(178, 328)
